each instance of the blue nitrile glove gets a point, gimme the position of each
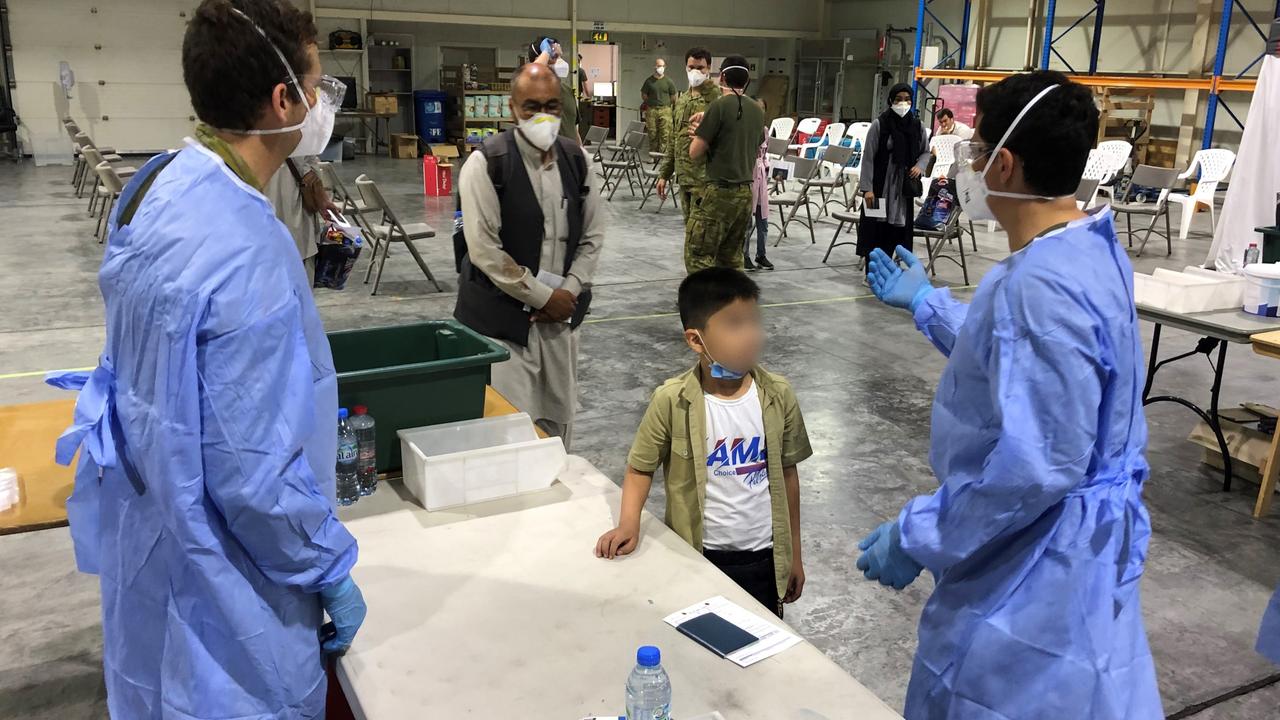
(897, 287)
(346, 609)
(884, 559)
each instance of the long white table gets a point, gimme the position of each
(502, 610)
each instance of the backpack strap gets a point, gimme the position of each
(137, 188)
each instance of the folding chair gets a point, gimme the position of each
(650, 183)
(1150, 176)
(352, 207)
(392, 230)
(108, 154)
(777, 147)
(591, 143)
(1085, 192)
(625, 164)
(614, 148)
(93, 158)
(949, 231)
(831, 175)
(109, 190)
(806, 171)
(848, 217)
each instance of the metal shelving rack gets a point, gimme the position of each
(1215, 84)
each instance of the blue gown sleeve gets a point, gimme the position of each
(1047, 371)
(939, 317)
(258, 409)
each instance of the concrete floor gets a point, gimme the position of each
(865, 380)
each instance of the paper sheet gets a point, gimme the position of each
(773, 639)
(877, 212)
(549, 279)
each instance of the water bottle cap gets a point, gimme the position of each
(342, 413)
(360, 410)
(457, 213)
(648, 656)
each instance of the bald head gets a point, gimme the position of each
(534, 89)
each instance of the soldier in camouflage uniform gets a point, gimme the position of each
(658, 93)
(690, 173)
(728, 134)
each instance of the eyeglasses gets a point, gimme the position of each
(968, 151)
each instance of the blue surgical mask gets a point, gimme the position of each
(719, 371)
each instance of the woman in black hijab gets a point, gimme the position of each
(893, 152)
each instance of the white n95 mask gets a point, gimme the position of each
(696, 78)
(971, 186)
(561, 67)
(540, 130)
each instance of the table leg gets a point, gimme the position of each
(1152, 363)
(1270, 473)
(1213, 413)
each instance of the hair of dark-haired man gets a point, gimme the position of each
(700, 53)
(1053, 139)
(708, 291)
(535, 48)
(740, 78)
(944, 113)
(230, 70)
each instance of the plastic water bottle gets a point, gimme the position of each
(367, 460)
(457, 221)
(1251, 255)
(648, 687)
(348, 454)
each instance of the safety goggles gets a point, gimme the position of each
(331, 90)
(969, 152)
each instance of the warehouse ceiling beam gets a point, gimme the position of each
(556, 24)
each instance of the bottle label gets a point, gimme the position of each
(662, 713)
(346, 453)
(368, 453)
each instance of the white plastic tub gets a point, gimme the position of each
(1173, 291)
(1262, 289)
(476, 460)
(1230, 288)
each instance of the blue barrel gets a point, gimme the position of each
(428, 108)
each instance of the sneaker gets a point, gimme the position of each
(764, 263)
(746, 263)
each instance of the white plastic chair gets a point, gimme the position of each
(1114, 156)
(782, 128)
(1215, 165)
(857, 134)
(832, 135)
(943, 148)
(808, 126)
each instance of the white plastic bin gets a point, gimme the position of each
(1262, 289)
(1171, 290)
(1230, 288)
(476, 460)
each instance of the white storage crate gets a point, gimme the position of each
(1230, 290)
(1176, 292)
(476, 460)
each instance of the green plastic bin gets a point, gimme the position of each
(413, 375)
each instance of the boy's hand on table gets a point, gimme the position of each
(795, 586)
(619, 541)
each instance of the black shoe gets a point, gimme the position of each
(764, 263)
(746, 263)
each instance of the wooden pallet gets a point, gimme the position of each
(1120, 107)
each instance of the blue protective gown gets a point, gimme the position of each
(212, 419)
(1269, 633)
(1037, 534)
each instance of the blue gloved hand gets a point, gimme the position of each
(884, 559)
(897, 287)
(346, 608)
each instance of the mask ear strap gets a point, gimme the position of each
(292, 78)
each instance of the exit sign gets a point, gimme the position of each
(600, 36)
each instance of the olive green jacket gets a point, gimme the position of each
(673, 435)
(691, 173)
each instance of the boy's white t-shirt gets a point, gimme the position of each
(739, 511)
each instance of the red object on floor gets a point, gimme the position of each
(336, 705)
(437, 177)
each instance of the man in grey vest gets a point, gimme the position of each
(533, 237)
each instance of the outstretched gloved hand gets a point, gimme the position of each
(346, 608)
(897, 287)
(884, 559)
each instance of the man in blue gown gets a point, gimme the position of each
(208, 429)
(1037, 533)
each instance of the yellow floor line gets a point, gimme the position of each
(594, 321)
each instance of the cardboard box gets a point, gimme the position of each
(444, 151)
(1248, 447)
(404, 147)
(388, 104)
(437, 174)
